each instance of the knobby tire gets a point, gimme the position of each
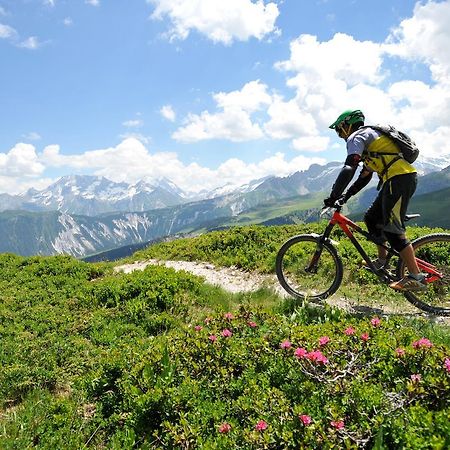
(296, 255)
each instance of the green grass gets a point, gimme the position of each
(96, 359)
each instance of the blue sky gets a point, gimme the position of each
(207, 92)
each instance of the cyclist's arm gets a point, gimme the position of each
(345, 175)
(361, 182)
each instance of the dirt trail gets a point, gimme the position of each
(228, 278)
(235, 280)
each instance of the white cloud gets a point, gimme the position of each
(49, 3)
(31, 43)
(134, 123)
(7, 32)
(32, 136)
(426, 37)
(92, 2)
(140, 164)
(68, 21)
(21, 161)
(233, 122)
(219, 20)
(168, 113)
(339, 58)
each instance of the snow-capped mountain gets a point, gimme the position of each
(91, 196)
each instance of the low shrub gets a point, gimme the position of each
(259, 381)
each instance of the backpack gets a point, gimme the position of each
(408, 148)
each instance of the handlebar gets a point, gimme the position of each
(340, 202)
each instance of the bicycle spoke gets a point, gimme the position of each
(307, 270)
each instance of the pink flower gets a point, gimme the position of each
(300, 353)
(225, 428)
(400, 352)
(261, 426)
(447, 364)
(376, 322)
(213, 338)
(227, 333)
(285, 344)
(228, 316)
(365, 337)
(338, 424)
(198, 328)
(317, 356)
(422, 343)
(306, 420)
(324, 340)
(252, 324)
(207, 320)
(415, 378)
(349, 331)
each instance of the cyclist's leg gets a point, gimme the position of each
(397, 193)
(373, 219)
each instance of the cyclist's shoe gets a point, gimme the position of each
(376, 262)
(410, 283)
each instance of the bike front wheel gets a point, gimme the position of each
(308, 268)
(431, 251)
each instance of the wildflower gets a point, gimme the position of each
(225, 428)
(300, 353)
(207, 320)
(338, 424)
(400, 352)
(228, 316)
(227, 333)
(324, 340)
(213, 338)
(285, 344)
(198, 328)
(349, 331)
(422, 343)
(415, 378)
(306, 420)
(261, 426)
(447, 364)
(376, 322)
(365, 337)
(317, 356)
(252, 324)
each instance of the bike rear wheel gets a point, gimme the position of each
(308, 268)
(433, 249)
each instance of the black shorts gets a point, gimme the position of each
(387, 212)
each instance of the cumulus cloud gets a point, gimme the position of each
(168, 113)
(233, 121)
(220, 21)
(426, 37)
(141, 163)
(20, 168)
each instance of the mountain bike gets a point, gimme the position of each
(309, 267)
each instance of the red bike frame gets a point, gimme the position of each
(348, 227)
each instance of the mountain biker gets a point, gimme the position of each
(398, 179)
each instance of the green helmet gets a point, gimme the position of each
(348, 118)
